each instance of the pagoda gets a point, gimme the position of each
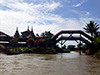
(16, 33)
(28, 32)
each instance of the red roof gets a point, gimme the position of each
(3, 35)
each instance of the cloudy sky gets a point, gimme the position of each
(47, 15)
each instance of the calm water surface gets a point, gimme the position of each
(58, 64)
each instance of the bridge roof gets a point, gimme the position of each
(72, 31)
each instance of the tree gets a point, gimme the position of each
(47, 34)
(43, 34)
(30, 42)
(37, 34)
(48, 42)
(14, 43)
(97, 43)
(92, 28)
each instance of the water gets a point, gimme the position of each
(57, 64)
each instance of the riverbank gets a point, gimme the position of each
(97, 55)
(34, 50)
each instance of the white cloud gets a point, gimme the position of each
(68, 1)
(77, 12)
(85, 20)
(79, 4)
(1, 1)
(82, 13)
(21, 14)
(87, 13)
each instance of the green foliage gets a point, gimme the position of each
(39, 42)
(85, 47)
(97, 54)
(14, 40)
(95, 47)
(43, 34)
(37, 34)
(30, 42)
(47, 34)
(57, 48)
(52, 51)
(30, 36)
(92, 28)
(97, 42)
(48, 42)
(13, 43)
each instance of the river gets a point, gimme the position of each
(46, 64)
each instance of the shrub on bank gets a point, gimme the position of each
(97, 54)
(52, 51)
(42, 50)
(95, 48)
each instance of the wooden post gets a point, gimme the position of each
(80, 51)
(80, 45)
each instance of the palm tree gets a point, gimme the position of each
(92, 28)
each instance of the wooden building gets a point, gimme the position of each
(26, 33)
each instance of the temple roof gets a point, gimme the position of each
(2, 34)
(27, 30)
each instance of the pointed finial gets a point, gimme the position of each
(32, 29)
(28, 28)
(17, 29)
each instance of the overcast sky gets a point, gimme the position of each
(47, 15)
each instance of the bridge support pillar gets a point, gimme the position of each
(79, 48)
(80, 52)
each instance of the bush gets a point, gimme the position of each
(97, 54)
(30, 42)
(95, 47)
(52, 51)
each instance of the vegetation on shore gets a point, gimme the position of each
(97, 47)
(40, 46)
(94, 49)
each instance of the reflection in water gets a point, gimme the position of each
(40, 64)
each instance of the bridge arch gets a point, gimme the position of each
(83, 36)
